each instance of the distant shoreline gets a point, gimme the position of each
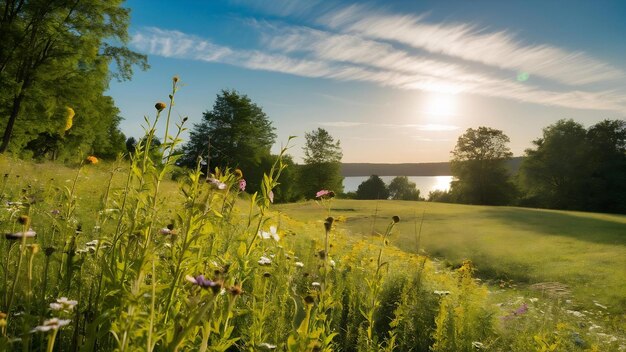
(408, 169)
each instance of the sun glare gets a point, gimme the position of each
(440, 104)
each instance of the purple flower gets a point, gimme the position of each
(242, 185)
(521, 310)
(201, 281)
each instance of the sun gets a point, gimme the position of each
(440, 104)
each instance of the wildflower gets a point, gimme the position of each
(441, 293)
(216, 183)
(63, 304)
(332, 263)
(51, 324)
(69, 119)
(160, 106)
(265, 261)
(478, 345)
(92, 160)
(271, 196)
(242, 185)
(205, 283)
(521, 310)
(19, 235)
(3, 319)
(168, 230)
(315, 284)
(323, 193)
(267, 346)
(272, 234)
(299, 264)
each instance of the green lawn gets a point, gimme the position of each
(585, 251)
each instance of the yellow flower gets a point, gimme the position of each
(69, 120)
(92, 160)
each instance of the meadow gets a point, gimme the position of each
(582, 253)
(115, 256)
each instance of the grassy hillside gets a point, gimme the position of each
(584, 251)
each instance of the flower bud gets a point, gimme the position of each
(160, 106)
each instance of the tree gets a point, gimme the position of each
(607, 159)
(236, 133)
(54, 54)
(372, 188)
(322, 164)
(478, 165)
(574, 168)
(401, 189)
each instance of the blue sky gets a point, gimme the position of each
(395, 81)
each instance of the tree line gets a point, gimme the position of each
(569, 167)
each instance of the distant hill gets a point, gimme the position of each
(409, 169)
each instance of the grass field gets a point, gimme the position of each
(434, 305)
(584, 251)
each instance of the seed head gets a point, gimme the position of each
(23, 220)
(396, 219)
(309, 299)
(175, 79)
(235, 290)
(160, 106)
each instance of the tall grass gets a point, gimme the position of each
(108, 257)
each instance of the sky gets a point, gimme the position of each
(394, 81)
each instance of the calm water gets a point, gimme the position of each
(425, 184)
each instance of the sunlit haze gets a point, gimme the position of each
(395, 82)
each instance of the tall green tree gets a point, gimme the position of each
(607, 158)
(574, 168)
(556, 170)
(372, 188)
(322, 163)
(56, 53)
(236, 133)
(478, 165)
(400, 188)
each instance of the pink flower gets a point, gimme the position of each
(324, 194)
(242, 184)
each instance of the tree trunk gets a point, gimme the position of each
(8, 131)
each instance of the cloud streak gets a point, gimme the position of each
(316, 53)
(472, 43)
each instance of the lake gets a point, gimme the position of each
(425, 184)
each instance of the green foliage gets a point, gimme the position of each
(236, 133)
(401, 189)
(478, 164)
(589, 178)
(372, 188)
(322, 164)
(53, 54)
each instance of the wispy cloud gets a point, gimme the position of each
(473, 43)
(420, 127)
(310, 52)
(341, 124)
